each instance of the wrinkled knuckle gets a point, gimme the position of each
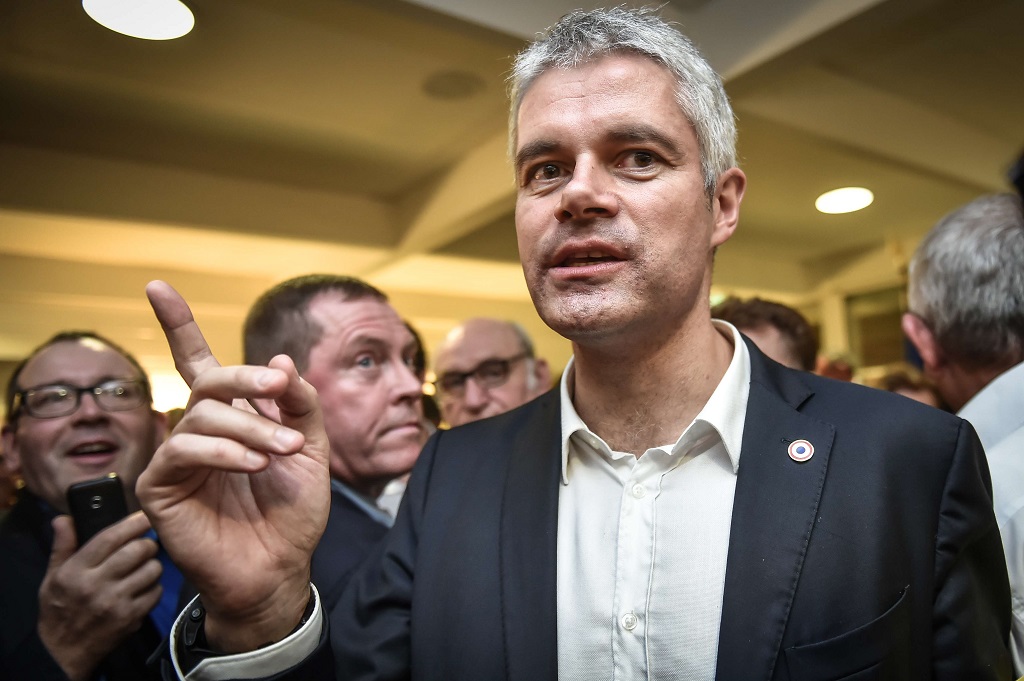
(224, 450)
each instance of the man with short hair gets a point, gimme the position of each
(78, 408)
(966, 319)
(678, 508)
(777, 330)
(351, 345)
(486, 367)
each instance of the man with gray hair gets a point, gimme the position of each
(966, 319)
(678, 508)
(486, 367)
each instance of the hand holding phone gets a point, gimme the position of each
(95, 505)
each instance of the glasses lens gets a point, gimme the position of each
(120, 395)
(492, 373)
(50, 401)
(452, 383)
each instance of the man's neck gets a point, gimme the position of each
(646, 395)
(959, 385)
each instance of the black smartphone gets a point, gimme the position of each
(96, 504)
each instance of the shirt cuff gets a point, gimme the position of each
(255, 664)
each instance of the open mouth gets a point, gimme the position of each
(588, 258)
(92, 449)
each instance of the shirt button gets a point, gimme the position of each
(639, 491)
(629, 621)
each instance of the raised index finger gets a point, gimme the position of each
(190, 350)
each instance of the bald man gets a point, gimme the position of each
(486, 367)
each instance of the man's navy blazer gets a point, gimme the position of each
(347, 540)
(877, 558)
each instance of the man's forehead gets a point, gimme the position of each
(475, 342)
(609, 75)
(75, 359)
(361, 318)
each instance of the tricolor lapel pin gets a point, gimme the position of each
(801, 450)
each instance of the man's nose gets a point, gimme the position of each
(587, 194)
(88, 408)
(407, 383)
(476, 396)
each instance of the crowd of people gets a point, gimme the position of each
(694, 497)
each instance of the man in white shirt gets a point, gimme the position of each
(966, 318)
(679, 508)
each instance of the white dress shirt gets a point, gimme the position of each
(997, 413)
(643, 541)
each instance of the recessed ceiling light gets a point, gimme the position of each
(844, 200)
(147, 19)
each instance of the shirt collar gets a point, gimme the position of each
(365, 504)
(725, 411)
(995, 410)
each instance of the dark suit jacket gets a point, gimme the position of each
(25, 542)
(349, 537)
(878, 558)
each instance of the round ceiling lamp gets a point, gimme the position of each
(844, 200)
(146, 19)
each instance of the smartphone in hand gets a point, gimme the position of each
(96, 504)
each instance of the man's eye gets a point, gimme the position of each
(546, 171)
(49, 396)
(640, 159)
(366, 362)
(491, 370)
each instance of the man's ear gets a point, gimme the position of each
(12, 457)
(726, 206)
(924, 340)
(542, 374)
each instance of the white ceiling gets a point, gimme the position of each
(280, 138)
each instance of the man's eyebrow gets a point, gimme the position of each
(534, 150)
(644, 133)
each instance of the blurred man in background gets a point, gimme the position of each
(777, 330)
(351, 345)
(486, 367)
(78, 408)
(966, 319)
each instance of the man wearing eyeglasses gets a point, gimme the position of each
(79, 408)
(486, 367)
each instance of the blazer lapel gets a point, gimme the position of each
(775, 506)
(528, 545)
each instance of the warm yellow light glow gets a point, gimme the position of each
(147, 19)
(169, 391)
(845, 200)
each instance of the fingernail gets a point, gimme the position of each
(264, 378)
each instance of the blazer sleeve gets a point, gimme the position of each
(971, 614)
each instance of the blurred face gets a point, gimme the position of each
(362, 370)
(54, 453)
(471, 347)
(771, 342)
(616, 232)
